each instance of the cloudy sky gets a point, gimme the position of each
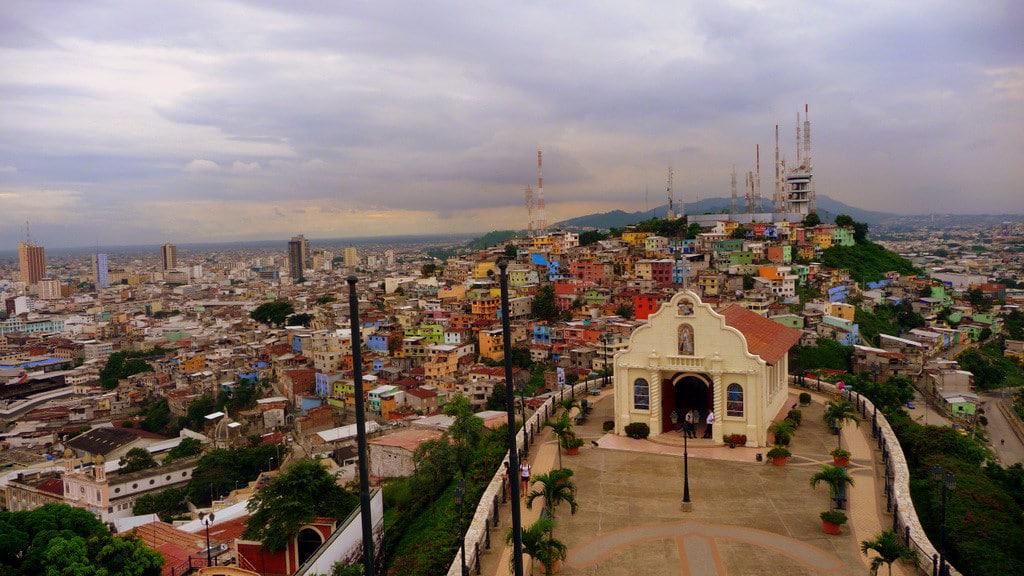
(131, 122)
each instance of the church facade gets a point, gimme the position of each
(690, 357)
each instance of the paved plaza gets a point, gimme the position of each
(747, 518)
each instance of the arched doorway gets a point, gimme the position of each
(308, 540)
(683, 393)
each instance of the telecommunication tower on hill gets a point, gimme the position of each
(800, 196)
(542, 217)
(671, 214)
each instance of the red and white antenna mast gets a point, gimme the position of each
(542, 217)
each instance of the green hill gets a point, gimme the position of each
(492, 238)
(867, 261)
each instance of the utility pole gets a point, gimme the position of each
(364, 476)
(510, 408)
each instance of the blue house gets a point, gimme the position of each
(542, 334)
(378, 342)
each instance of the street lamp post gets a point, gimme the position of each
(510, 408)
(364, 476)
(207, 520)
(685, 505)
(948, 483)
(460, 492)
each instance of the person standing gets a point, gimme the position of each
(695, 419)
(710, 421)
(524, 475)
(688, 424)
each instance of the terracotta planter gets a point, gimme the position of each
(572, 451)
(842, 461)
(779, 460)
(830, 528)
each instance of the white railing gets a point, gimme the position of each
(905, 522)
(479, 535)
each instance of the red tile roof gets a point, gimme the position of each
(765, 338)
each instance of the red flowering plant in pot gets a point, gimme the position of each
(841, 457)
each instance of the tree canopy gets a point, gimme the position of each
(304, 491)
(544, 307)
(125, 363)
(60, 540)
(812, 219)
(188, 447)
(137, 459)
(274, 313)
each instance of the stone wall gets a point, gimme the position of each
(904, 520)
(486, 511)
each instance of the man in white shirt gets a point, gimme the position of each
(710, 421)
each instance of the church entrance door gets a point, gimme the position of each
(683, 394)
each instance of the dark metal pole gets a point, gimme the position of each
(686, 471)
(460, 494)
(510, 407)
(209, 553)
(364, 476)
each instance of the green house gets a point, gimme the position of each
(842, 236)
(790, 320)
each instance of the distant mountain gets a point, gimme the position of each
(827, 210)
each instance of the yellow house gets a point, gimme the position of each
(842, 310)
(730, 226)
(823, 240)
(491, 344)
(482, 268)
(635, 238)
(710, 284)
(689, 357)
(194, 364)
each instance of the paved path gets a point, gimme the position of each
(1006, 445)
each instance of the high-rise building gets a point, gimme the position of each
(389, 258)
(49, 289)
(351, 257)
(31, 262)
(101, 270)
(298, 253)
(169, 254)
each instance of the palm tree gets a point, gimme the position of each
(839, 412)
(835, 477)
(568, 404)
(539, 544)
(783, 431)
(889, 549)
(562, 427)
(555, 488)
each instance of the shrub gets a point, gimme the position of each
(608, 425)
(572, 442)
(834, 516)
(805, 398)
(736, 439)
(795, 416)
(782, 438)
(638, 430)
(840, 453)
(779, 452)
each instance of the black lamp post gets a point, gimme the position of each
(207, 519)
(948, 483)
(364, 476)
(510, 408)
(686, 464)
(460, 491)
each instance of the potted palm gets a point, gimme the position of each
(888, 549)
(835, 477)
(832, 521)
(779, 455)
(562, 427)
(783, 431)
(541, 546)
(555, 488)
(841, 457)
(839, 412)
(572, 444)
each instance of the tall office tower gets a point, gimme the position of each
(101, 270)
(389, 258)
(351, 257)
(298, 253)
(31, 262)
(169, 253)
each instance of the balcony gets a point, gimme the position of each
(687, 362)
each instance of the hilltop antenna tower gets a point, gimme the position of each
(812, 200)
(757, 178)
(542, 218)
(732, 204)
(749, 191)
(530, 210)
(779, 198)
(671, 214)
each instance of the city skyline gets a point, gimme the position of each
(244, 121)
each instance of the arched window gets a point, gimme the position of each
(308, 541)
(734, 400)
(641, 394)
(685, 340)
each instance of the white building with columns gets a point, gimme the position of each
(690, 357)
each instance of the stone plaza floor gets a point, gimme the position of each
(747, 518)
